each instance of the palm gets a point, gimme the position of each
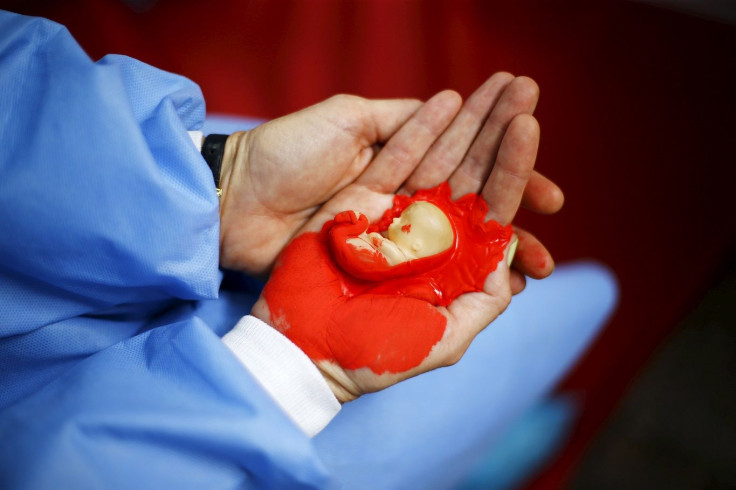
(488, 147)
(466, 317)
(324, 157)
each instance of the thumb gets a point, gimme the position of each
(382, 118)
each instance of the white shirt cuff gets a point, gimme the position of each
(197, 138)
(285, 372)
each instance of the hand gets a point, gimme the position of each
(475, 141)
(276, 176)
(489, 146)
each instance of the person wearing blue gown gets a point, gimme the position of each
(125, 362)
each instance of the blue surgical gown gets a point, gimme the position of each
(112, 371)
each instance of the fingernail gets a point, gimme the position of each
(512, 250)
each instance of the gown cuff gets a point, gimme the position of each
(197, 138)
(285, 372)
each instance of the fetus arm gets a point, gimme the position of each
(379, 244)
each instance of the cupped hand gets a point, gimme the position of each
(487, 146)
(276, 176)
(283, 177)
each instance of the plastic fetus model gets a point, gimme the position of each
(365, 294)
(421, 230)
(426, 246)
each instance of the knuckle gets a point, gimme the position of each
(516, 173)
(453, 358)
(400, 153)
(457, 351)
(504, 299)
(345, 99)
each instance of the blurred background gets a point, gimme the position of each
(637, 116)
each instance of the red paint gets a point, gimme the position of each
(347, 305)
(406, 228)
(477, 249)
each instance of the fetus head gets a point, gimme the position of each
(422, 230)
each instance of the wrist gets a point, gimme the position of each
(233, 150)
(232, 167)
(344, 389)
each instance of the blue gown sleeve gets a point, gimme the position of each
(109, 377)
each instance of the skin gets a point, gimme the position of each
(293, 174)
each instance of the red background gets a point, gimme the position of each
(637, 116)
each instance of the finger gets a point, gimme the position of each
(383, 117)
(448, 151)
(541, 195)
(518, 282)
(512, 168)
(406, 148)
(370, 120)
(519, 97)
(532, 257)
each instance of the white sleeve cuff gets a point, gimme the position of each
(197, 138)
(285, 372)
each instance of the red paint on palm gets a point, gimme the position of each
(325, 312)
(347, 305)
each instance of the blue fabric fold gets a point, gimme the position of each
(111, 375)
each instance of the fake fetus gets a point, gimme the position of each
(366, 295)
(421, 230)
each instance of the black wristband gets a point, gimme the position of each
(213, 149)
